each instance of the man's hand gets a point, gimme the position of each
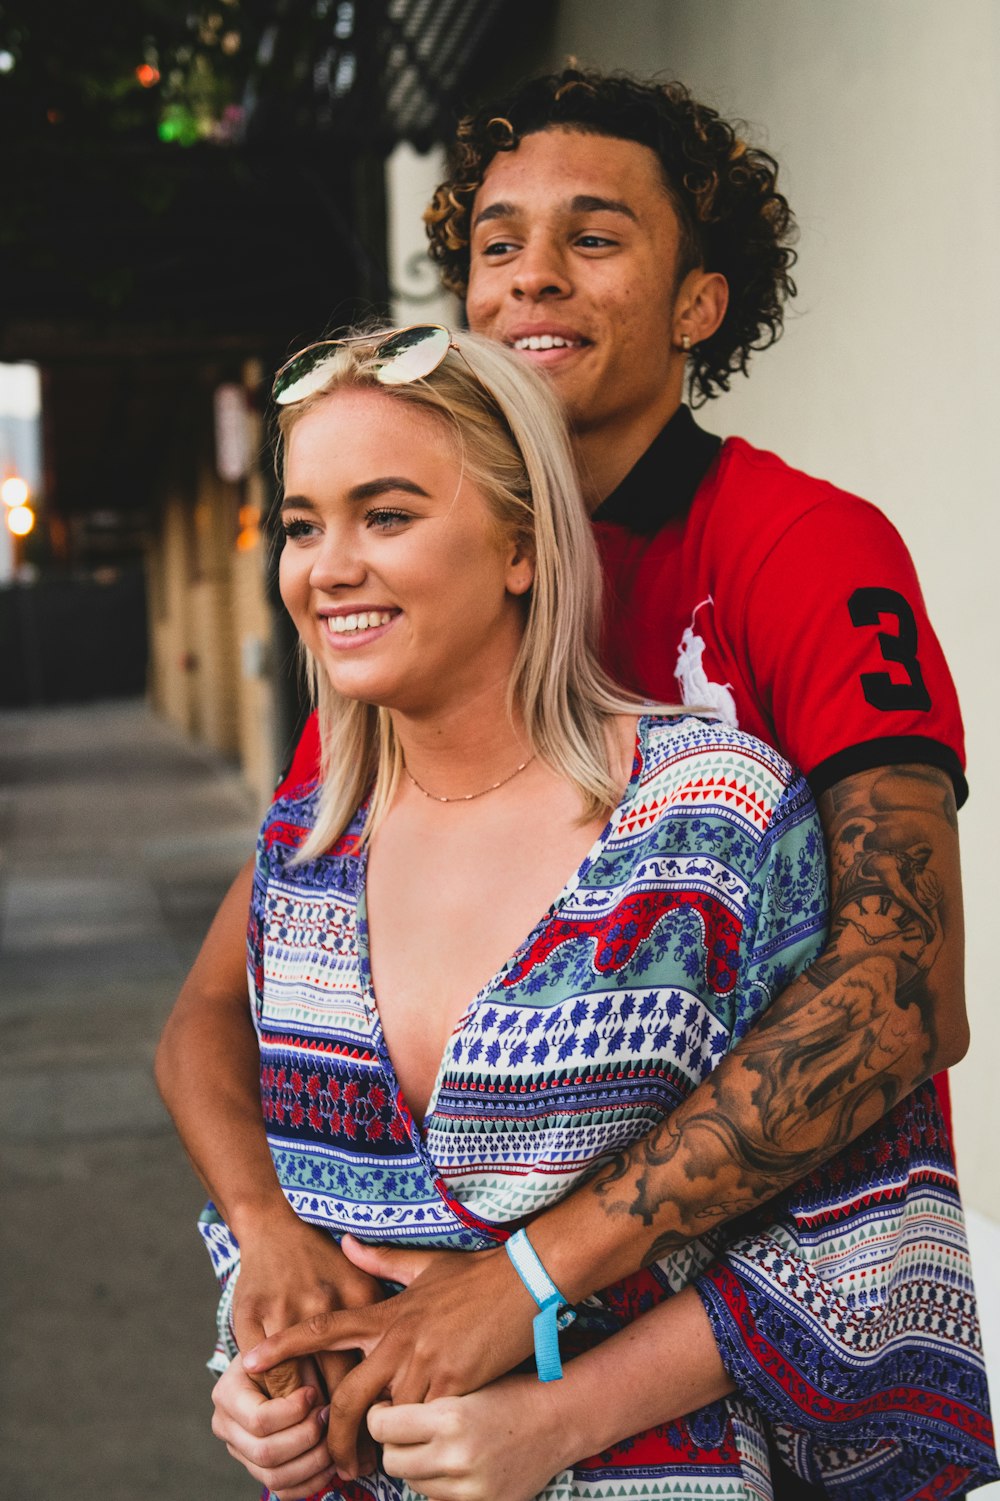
(290, 1271)
(464, 1319)
(281, 1442)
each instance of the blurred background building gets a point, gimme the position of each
(189, 193)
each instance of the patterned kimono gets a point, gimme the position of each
(844, 1313)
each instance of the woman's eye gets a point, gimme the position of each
(383, 518)
(295, 528)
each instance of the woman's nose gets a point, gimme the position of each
(337, 563)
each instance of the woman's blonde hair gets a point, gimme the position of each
(515, 449)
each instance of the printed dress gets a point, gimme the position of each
(702, 897)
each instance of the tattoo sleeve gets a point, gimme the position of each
(879, 1011)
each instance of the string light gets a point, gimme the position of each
(14, 491)
(20, 520)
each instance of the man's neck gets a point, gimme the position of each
(604, 455)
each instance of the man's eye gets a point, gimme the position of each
(498, 247)
(594, 242)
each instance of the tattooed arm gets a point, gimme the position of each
(880, 1010)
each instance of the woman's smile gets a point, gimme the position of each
(394, 569)
(357, 625)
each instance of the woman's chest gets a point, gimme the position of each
(595, 1019)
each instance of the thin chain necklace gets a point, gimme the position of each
(468, 797)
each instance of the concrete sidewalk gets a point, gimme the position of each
(118, 840)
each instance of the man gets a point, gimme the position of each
(623, 238)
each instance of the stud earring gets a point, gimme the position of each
(686, 343)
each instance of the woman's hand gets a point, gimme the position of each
(464, 1319)
(500, 1444)
(281, 1441)
(290, 1271)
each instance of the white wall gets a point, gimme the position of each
(417, 295)
(885, 117)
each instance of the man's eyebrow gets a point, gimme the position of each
(495, 211)
(587, 203)
(583, 203)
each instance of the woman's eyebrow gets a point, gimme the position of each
(383, 485)
(371, 488)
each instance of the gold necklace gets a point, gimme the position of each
(468, 797)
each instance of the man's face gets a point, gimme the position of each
(572, 262)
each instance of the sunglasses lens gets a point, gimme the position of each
(308, 372)
(411, 354)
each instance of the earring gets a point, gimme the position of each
(686, 343)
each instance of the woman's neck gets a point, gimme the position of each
(464, 751)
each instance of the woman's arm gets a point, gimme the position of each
(880, 1009)
(208, 1072)
(505, 1442)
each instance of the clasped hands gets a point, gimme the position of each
(458, 1325)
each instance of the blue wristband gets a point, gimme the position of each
(547, 1321)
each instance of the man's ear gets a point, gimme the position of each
(699, 307)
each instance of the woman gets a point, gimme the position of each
(440, 572)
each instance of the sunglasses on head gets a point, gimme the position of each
(405, 355)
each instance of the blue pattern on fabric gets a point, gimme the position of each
(704, 895)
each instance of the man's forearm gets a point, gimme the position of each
(879, 1011)
(208, 1070)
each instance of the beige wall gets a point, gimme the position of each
(253, 623)
(211, 657)
(885, 115)
(171, 658)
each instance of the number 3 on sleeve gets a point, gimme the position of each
(867, 607)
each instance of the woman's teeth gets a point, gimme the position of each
(546, 341)
(362, 622)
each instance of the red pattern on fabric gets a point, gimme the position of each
(620, 932)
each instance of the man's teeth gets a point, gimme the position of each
(546, 341)
(363, 622)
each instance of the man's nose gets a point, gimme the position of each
(540, 272)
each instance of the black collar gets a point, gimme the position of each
(661, 484)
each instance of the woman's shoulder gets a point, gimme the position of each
(689, 760)
(287, 825)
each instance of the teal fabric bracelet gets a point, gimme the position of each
(548, 1320)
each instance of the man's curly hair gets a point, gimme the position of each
(732, 217)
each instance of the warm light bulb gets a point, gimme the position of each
(21, 519)
(14, 491)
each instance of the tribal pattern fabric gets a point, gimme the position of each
(703, 896)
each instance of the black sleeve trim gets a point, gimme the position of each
(891, 750)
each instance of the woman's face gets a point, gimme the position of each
(392, 569)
